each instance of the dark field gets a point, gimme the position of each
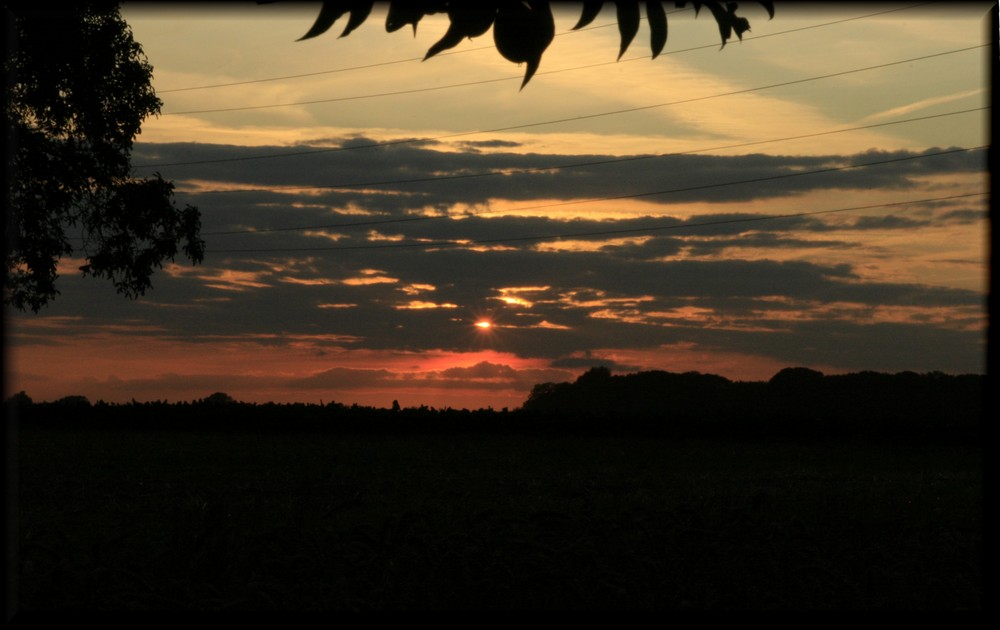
(185, 520)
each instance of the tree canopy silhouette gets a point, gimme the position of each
(77, 89)
(522, 30)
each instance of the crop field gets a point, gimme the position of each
(240, 520)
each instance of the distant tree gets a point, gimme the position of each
(77, 88)
(219, 398)
(598, 375)
(795, 377)
(522, 29)
(548, 396)
(19, 400)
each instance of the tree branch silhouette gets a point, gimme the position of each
(522, 30)
(77, 90)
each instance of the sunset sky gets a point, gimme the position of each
(815, 195)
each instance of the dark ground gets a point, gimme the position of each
(246, 520)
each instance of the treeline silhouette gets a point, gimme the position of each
(794, 403)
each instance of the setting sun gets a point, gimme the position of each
(484, 325)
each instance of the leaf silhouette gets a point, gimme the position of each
(696, 5)
(657, 26)
(333, 11)
(740, 25)
(722, 18)
(359, 13)
(628, 22)
(728, 21)
(467, 20)
(522, 31)
(329, 13)
(590, 10)
(402, 13)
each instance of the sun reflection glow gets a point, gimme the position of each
(484, 324)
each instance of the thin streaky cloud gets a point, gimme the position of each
(922, 104)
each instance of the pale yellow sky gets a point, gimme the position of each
(190, 46)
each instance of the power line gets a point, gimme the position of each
(755, 180)
(558, 167)
(733, 93)
(468, 83)
(561, 120)
(387, 63)
(616, 232)
(572, 32)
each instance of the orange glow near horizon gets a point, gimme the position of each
(484, 325)
(251, 369)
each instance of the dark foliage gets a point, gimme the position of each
(795, 403)
(77, 89)
(522, 30)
